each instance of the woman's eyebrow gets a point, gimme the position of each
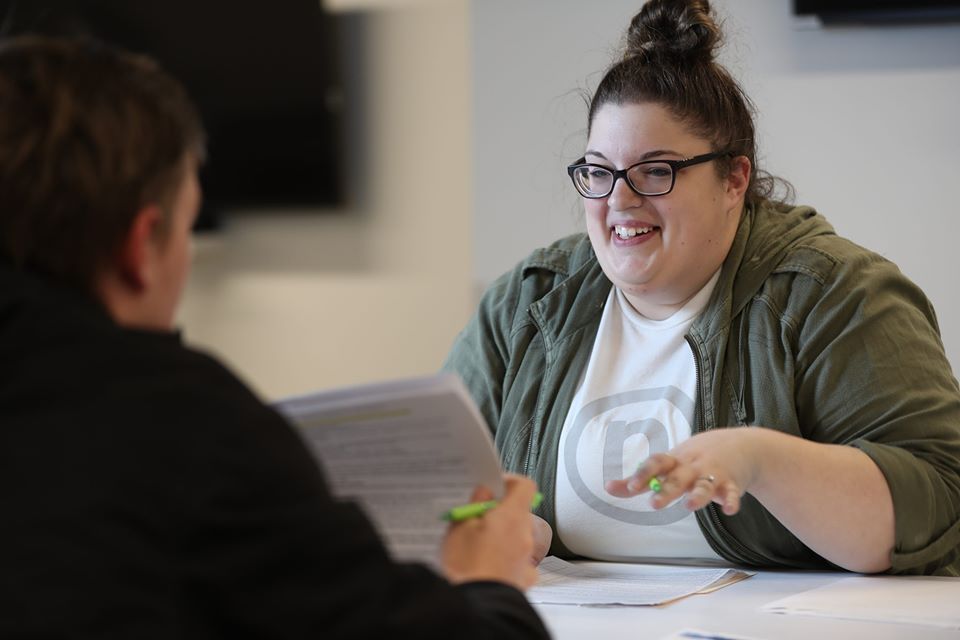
(645, 156)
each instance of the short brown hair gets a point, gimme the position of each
(89, 134)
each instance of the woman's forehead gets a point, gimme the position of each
(637, 129)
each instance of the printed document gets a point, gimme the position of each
(406, 451)
(618, 583)
(932, 601)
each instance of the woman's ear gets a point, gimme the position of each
(739, 178)
(138, 251)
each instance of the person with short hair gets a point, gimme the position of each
(710, 373)
(146, 492)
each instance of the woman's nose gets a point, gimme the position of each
(623, 197)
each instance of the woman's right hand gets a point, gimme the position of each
(498, 545)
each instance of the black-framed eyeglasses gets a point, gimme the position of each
(647, 178)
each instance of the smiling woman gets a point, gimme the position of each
(785, 389)
(660, 251)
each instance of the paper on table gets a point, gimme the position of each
(700, 634)
(407, 451)
(612, 583)
(923, 600)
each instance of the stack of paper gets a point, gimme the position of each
(407, 451)
(611, 583)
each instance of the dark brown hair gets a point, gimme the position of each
(669, 59)
(89, 134)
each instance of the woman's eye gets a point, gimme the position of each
(596, 173)
(657, 171)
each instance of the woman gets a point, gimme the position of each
(784, 391)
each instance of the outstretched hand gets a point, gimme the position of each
(716, 466)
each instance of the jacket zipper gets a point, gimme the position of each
(698, 379)
(699, 427)
(526, 458)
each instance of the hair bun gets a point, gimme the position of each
(682, 30)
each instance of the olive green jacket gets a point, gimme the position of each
(805, 332)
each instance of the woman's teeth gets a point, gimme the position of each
(625, 233)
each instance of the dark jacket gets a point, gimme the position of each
(146, 493)
(805, 333)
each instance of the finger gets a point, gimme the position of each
(481, 494)
(731, 500)
(703, 491)
(619, 489)
(658, 465)
(531, 576)
(678, 482)
(469, 523)
(638, 484)
(519, 492)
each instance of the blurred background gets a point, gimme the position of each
(453, 122)
(462, 117)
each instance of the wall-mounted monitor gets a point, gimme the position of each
(265, 76)
(879, 11)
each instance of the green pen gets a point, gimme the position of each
(476, 509)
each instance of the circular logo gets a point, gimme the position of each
(616, 435)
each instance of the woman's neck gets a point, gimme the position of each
(662, 305)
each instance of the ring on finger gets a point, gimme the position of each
(707, 478)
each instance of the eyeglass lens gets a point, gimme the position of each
(649, 178)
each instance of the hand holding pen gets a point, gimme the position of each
(477, 509)
(497, 546)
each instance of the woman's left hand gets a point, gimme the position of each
(717, 466)
(542, 537)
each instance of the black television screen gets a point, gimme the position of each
(265, 77)
(879, 11)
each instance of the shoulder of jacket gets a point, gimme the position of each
(534, 277)
(830, 258)
(801, 241)
(562, 257)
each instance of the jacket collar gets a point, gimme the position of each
(765, 234)
(576, 302)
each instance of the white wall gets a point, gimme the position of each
(482, 97)
(296, 302)
(863, 122)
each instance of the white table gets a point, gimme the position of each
(733, 609)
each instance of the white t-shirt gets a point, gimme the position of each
(636, 397)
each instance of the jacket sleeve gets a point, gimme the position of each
(481, 352)
(271, 553)
(490, 351)
(872, 373)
